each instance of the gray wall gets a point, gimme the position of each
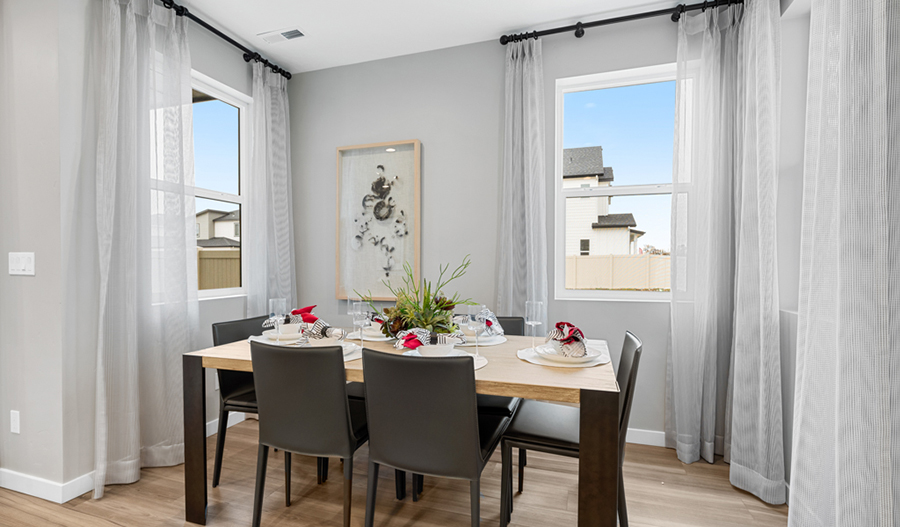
(452, 100)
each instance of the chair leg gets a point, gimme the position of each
(370, 493)
(348, 489)
(321, 470)
(524, 456)
(287, 478)
(415, 487)
(261, 461)
(324, 469)
(400, 484)
(475, 501)
(623, 510)
(421, 480)
(505, 483)
(220, 445)
(522, 461)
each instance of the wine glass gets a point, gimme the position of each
(533, 317)
(278, 309)
(360, 318)
(474, 323)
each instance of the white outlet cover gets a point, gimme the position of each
(14, 421)
(21, 264)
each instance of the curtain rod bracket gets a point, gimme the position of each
(579, 30)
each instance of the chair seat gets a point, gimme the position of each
(490, 430)
(356, 390)
(497, 405)
(554, 425)
(242, 400)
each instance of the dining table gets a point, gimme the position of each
(594, 389)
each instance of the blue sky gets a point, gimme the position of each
(635, 126)
(216, 154)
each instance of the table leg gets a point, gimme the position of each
(598, 459)
(194, 440)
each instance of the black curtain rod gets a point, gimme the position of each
(579, 27)
(249, 54)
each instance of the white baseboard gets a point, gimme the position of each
(233, 418)
(46, 489)
(646, 437)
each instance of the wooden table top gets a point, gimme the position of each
(505, 374)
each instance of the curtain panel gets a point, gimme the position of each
(146, 255)
(723, 393)
(522, 243)
(845, 468)
(270, 239)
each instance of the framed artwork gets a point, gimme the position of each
(377, 216)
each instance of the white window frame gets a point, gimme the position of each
(243, 103)
(599, 81)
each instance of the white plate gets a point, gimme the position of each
(548, 352)
(484, 341)
(271, 335)
(480, 361)
(366, 336)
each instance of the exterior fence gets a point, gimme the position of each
(641, 272)
(218, 268)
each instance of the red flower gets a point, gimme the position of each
(302, 310)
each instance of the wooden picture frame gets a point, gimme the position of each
(378, 216)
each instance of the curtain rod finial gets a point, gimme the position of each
(504, 39)
(579, 30)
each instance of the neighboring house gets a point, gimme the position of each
(590, 228)
(218, 225)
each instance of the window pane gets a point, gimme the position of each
(218, 231)
(627, 240)
(619, 136)
(216, 145)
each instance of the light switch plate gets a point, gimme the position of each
(21, 264)
(14, 421)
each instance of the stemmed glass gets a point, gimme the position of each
(278, 309)
(360, 319)
(473, 323)
(533, 317)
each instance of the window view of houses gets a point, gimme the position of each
(219, 248)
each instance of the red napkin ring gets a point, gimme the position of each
(302, 310)
(411, 341)
(309, 318)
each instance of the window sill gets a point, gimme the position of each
(220, 295)
(646, 298)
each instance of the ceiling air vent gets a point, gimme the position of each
(280, 35)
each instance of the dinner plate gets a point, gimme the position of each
(284, 337)
(484, 341)
(480, 361)
(366, 336)
(548, 352)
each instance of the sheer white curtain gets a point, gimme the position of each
(522, 244)
(270, 235)
(723, 393)
(846, 443)
(147, 255)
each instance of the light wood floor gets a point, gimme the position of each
(661, 491)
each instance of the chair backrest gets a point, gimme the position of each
(302, 399)
(233, 383)
(422, 414)
(512, 325)
(626, 377)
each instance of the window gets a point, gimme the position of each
(614, 144)
(219, 118)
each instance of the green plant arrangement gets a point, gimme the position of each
(421, 305)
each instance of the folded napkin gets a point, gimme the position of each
(376, 317)
(293, 318)
(317, 328)
(568, 339)
(413, 338)
(492, 326)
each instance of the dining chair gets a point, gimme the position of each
(555, 429)
(423, 419)
(304, 409)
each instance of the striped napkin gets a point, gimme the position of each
(413, 338)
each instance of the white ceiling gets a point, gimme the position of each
(340, 32)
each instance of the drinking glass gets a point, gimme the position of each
(473, 323)
(533, 317)
(278, 309)
(360, 319)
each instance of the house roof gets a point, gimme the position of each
(218, 242)
(233, 215)
(585, 162)
(211, 211)
(615, 220)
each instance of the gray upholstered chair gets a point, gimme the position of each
(304, 409)
(423, 419)
(554, 428)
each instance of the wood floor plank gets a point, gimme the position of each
(661, 492)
